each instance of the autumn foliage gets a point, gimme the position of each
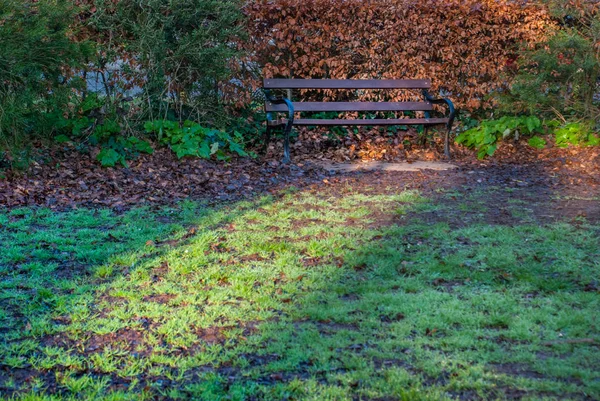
(465, 46)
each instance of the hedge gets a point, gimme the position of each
(465, 46)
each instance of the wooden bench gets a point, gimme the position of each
(274, 105)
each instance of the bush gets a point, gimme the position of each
(177, 55)
(575, 134)
(155, 59)
(192, 139)
(163, 62)
(484, 138)
(36, 54)
(463, 45)
(560, 76)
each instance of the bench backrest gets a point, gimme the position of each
(277, 83)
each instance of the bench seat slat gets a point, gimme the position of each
(391, 121)
(346, 83)
(351, 106)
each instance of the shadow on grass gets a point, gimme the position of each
(310, 296)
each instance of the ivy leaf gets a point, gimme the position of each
(537, 142)
(236, 148)
(141, 145)
(108, 157)
(62, 139)
(204, 150)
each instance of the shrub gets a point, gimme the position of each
(575, 134)
(156, 59)
(537, 142)
(35, 54)
(192, 139)
(178, 55)
(463, 45)
(484, 138)
(561, 75)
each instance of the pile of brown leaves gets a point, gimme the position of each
(368, 145)
(68, 178)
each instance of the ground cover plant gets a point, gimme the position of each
(365, 288)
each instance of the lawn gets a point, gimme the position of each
(343, 292)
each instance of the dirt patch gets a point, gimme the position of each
(260, 360)
(380, 166)
(517, 369)
(485, 193)
(218, 334)
(157, 273)
(389, 363)
(212, 335)
(312, 261)
(328, 328)
(159, 298)
(111, 300)
(126, 339)
(255, 257)
(446, 285)
(349, 297)
(301, 223)
(320, 236)
(25, 375)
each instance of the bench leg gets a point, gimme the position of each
(447, 144)
(424, 136)
(286, 142)
(266, 139)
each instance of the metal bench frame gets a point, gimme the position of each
(282, 104)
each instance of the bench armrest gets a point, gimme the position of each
(446, 101)
(279, 100)
(288, 124)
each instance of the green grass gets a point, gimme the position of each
(300, 297)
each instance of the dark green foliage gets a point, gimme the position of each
(97, 123)
(560, 76)
(175, 55)
(192, 139)
(485, 137)
(117, 149)
(183, 52)
(249, 122)
(36, 58)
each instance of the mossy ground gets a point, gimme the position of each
(345, 294)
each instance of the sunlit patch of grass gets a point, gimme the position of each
(297, 297)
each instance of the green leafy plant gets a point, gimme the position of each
(249, 122)
(485, 137)
(94, 121)
(537, 142)
(116, 148)
(575, 134)
(192, 139)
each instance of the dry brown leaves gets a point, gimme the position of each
(64, 178)
(463, 45)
